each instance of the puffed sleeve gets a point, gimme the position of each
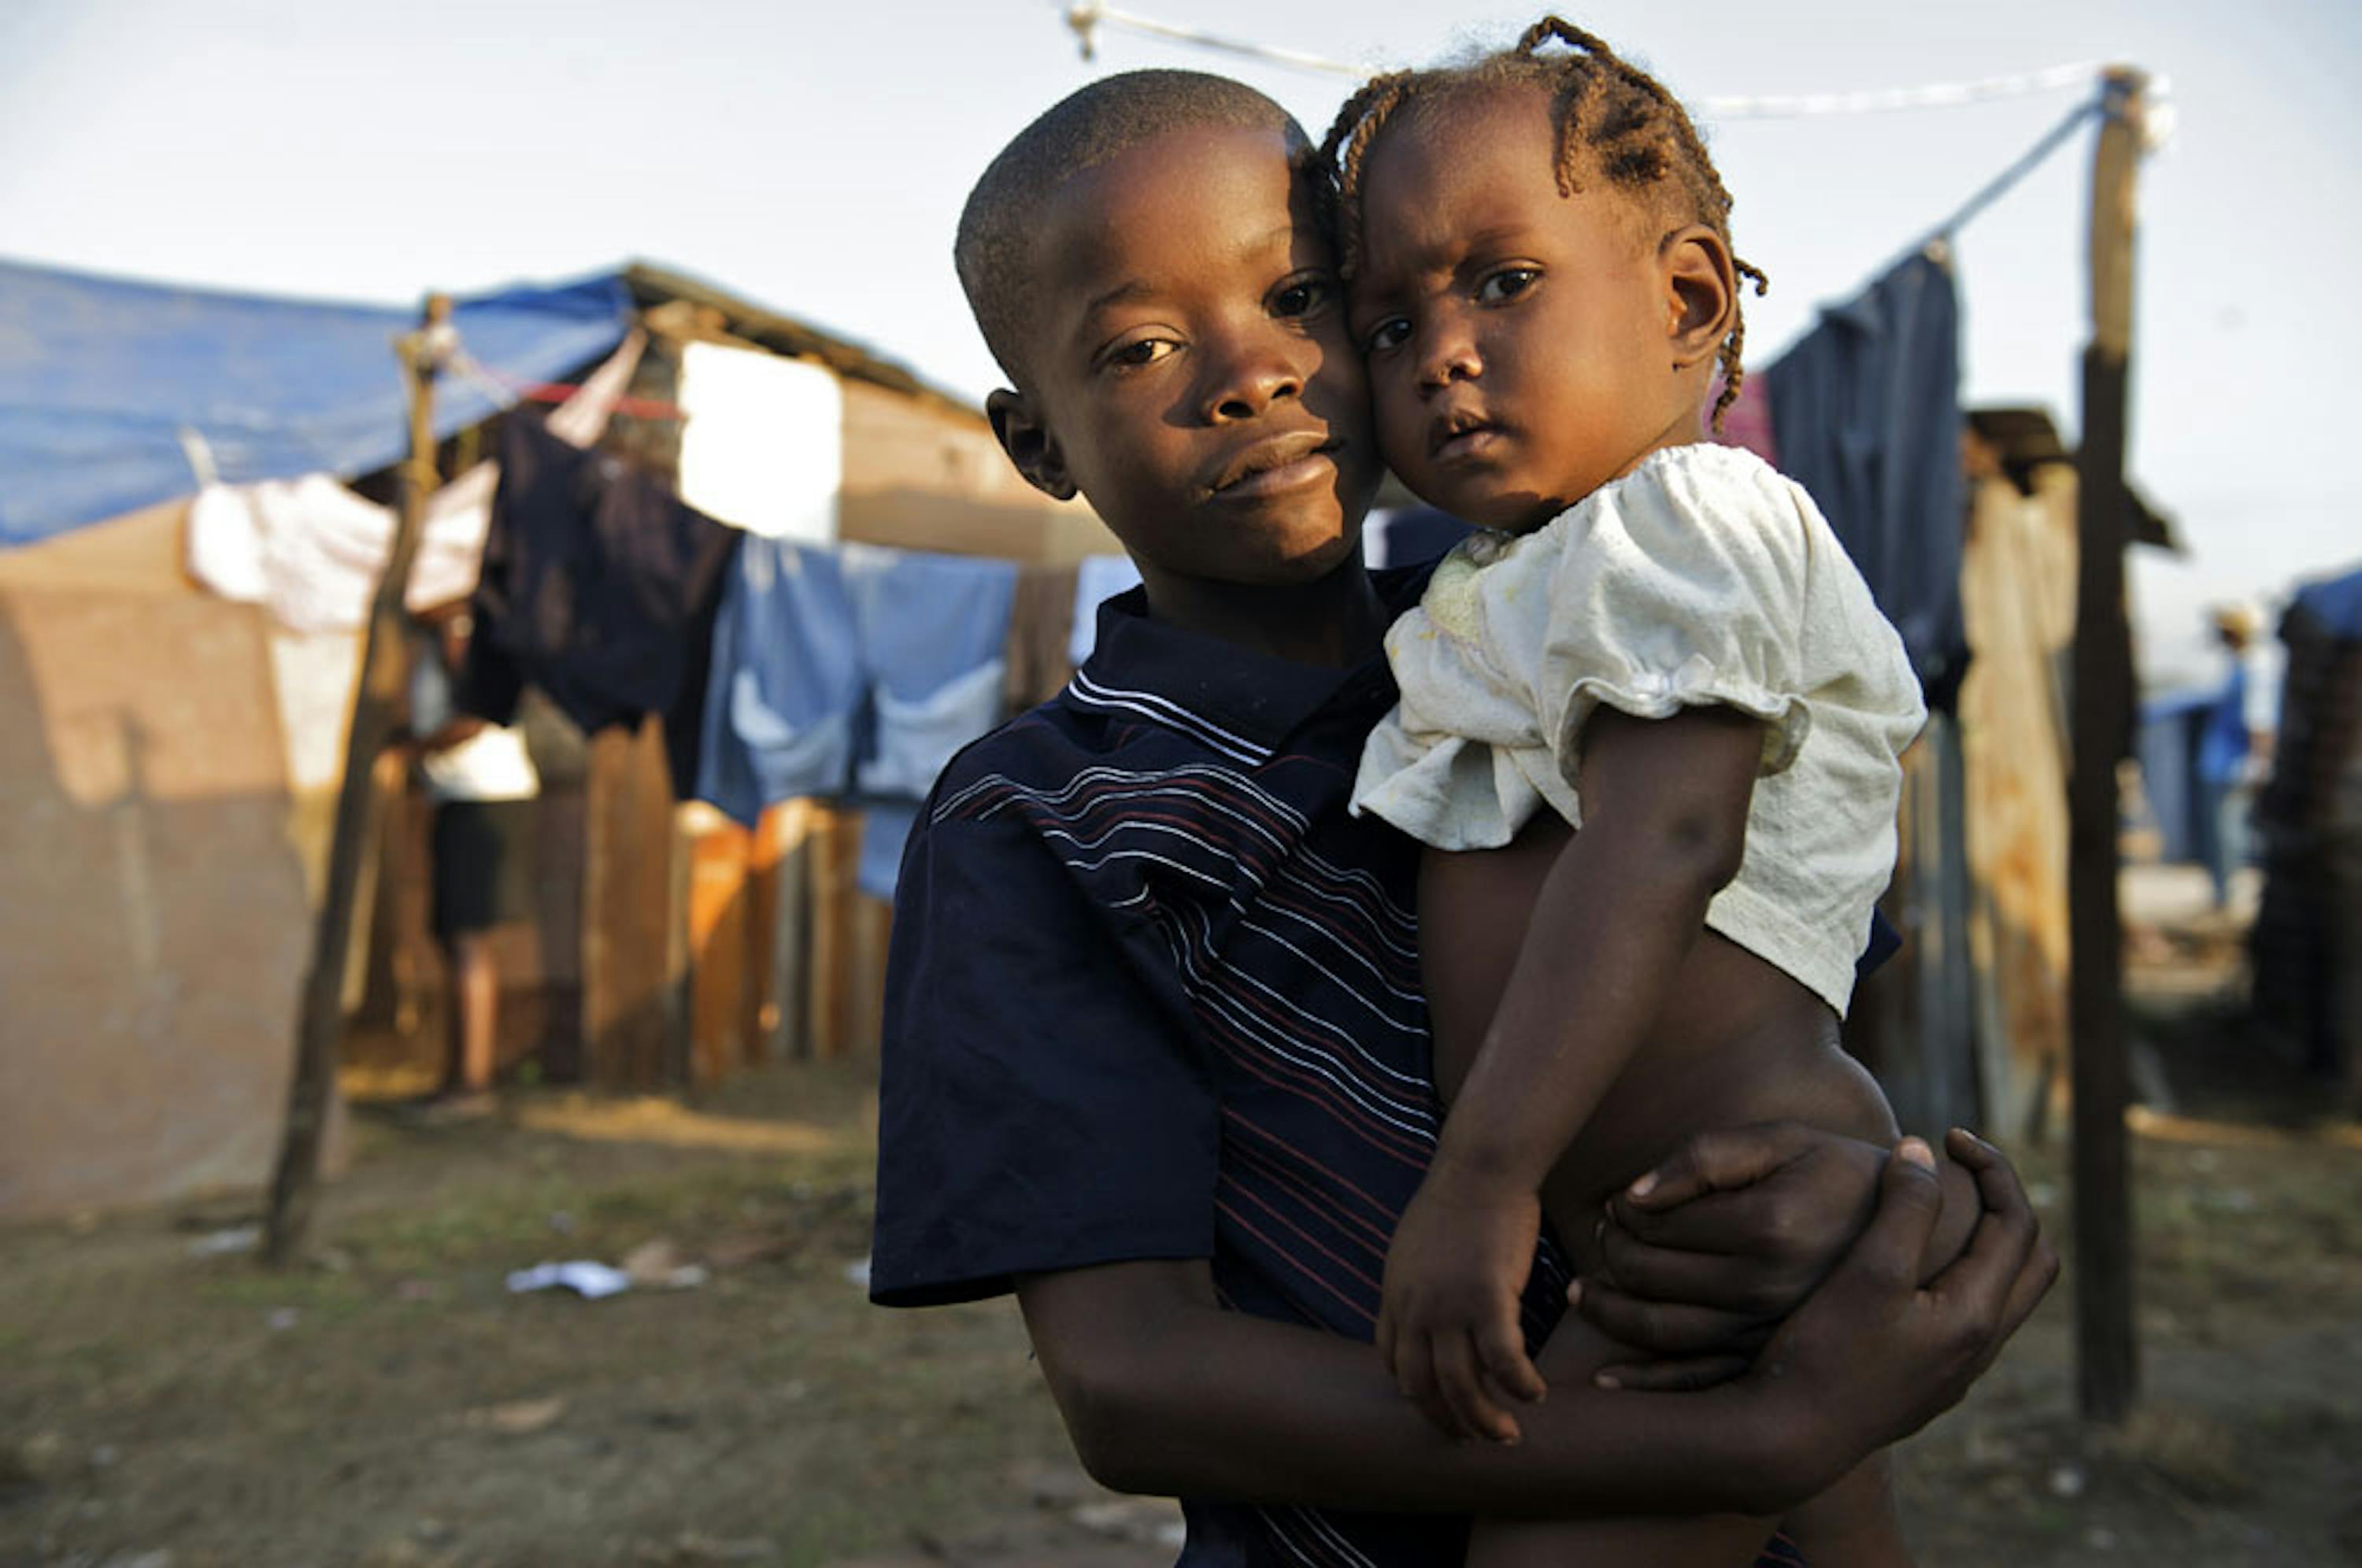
(1042, 1102)
(1681, 586)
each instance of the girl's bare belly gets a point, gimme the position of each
(1739, 1043)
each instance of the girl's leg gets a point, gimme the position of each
(1473, 915)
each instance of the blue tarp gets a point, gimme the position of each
(99, 376)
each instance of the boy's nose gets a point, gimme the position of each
(1250, 379)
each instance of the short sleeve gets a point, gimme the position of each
(1042, 1105)
(1681, 586)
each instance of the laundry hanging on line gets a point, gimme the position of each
(311, 551)
(598, 586)
(1866, 415)
(855, 671)
(1097, 579)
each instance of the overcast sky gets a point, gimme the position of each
(815, 157)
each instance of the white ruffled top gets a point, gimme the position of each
(1704, 577)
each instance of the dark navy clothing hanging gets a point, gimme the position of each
(1866, 409)
(599, 587)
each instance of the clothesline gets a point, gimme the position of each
(630, 407)
(2003, 182)
(1087, 16)
(508, 392)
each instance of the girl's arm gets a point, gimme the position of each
(1664, 825)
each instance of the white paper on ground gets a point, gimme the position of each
(591, 1281)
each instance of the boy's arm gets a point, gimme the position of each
(1163, 1391)
(1664, 825)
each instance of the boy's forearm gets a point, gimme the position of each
(1184, 1398)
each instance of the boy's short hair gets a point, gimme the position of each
(1103, 120)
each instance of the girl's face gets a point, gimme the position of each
(1522, 344)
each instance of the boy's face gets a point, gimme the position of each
(1188, 364)
(1520, 342)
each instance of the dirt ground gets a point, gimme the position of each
(165, 1403)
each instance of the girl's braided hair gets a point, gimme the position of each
(1613, 119)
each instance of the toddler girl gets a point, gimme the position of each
(1653, 639)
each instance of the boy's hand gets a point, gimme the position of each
(1703, 1257)
(1450, 1331)
(1872, 1356)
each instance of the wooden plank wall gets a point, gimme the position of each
(787, 957)
(634, 968)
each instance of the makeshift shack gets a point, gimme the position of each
(155, 922)
(178, 750)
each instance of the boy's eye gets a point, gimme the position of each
(1391, 333)
(1506, 284)
(1301, 297)
(1144, 351)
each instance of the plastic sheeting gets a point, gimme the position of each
(114, 394)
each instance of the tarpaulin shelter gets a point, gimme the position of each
(155, 925)
(2307, 943)
(154, 825)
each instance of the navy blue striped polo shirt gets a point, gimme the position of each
(1155, 995)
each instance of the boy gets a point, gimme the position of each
(1156, 1053)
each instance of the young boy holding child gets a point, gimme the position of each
(1157, 1056)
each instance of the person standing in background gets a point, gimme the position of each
(481, 783)
(2234, 751)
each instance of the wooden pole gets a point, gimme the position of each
(2107, 1359)
(320, 1015)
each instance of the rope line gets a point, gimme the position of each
(2002, 183)
(1087, 16)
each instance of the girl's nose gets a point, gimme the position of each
(1447, 353)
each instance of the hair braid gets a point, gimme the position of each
(1343, 150)
(1614, 120)
(1733, 368)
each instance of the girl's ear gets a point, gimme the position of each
(1026, 437)
(1701, 293)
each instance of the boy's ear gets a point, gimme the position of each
(1026, 437)
(1701, 292)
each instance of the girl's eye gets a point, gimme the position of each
(1391, 333)
(1146, 351)
(1302, 297)
(1506, 284)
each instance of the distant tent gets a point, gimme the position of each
(115, 395)
(2335, 603)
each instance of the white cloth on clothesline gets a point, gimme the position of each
(311, 551)
(762, 441)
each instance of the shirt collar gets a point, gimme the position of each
(1236, 699)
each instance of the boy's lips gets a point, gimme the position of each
(1274, 463)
